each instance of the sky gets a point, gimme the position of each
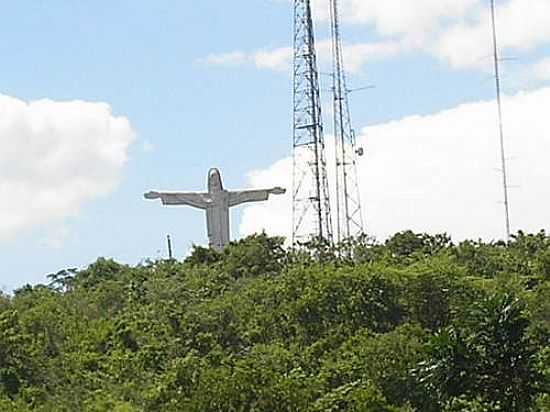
(102, 101)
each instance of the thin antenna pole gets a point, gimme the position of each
(500, 122)
(349, 220)
(169, 240)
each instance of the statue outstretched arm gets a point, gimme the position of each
(198, 200)
(244, 196)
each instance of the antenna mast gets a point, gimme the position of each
(349, 219)
(169, 241)
(500, 123)
(310, 198)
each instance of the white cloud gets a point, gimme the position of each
(356, 56)
(56, 156)
(437, 173)
(522, 26)
(274, 214)
(276, 59)
(457, 32)
(398, 17)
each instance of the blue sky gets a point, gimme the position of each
(187, 78)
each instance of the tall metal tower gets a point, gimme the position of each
(310, 201)
(349, 219)
(500, 123)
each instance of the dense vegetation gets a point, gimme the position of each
(414, 324)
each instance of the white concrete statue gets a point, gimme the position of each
(216, 202)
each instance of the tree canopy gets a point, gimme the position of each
(416, 323)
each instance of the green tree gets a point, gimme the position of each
(488, 358)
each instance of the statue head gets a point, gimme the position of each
(214, 181)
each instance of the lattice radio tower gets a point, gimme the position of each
(311, 216)
(349, 219)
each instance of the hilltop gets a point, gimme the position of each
(416, 323)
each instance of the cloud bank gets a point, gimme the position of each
(456, 32)
(438, 173)
(356, 56)
(55, 157)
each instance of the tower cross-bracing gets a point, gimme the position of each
(310, 199)
(349, 219)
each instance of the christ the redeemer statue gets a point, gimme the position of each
(216, 202)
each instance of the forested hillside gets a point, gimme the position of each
(414, 324)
